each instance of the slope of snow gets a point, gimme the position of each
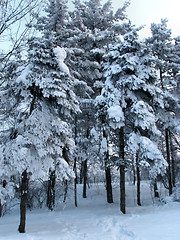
(94, 219)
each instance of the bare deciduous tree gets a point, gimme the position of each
(16, 17)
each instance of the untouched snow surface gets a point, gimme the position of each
(94, 219)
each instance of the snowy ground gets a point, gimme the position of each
(94, 219)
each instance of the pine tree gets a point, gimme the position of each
(42, 138)
(93, 26)
(167, 63)
(126, 103)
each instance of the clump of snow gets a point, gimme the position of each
(23, 76)
(148, 153)
(145, 117)
(116, 116)
(61, 55)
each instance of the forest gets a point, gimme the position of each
(85, 101)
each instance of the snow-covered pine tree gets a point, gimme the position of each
(95, 26)
(42, 137)
(8, 115)
(126, 104)
(168, 65)
(56, 25)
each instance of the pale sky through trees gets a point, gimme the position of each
(146, 12)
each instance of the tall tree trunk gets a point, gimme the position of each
(161, 78)
(75, 163)
(85, 168)
(108, 184)
(81, 173)
(122, 171)
(51, 190)
(168, 161)
(108, 173)
(75, 182)
(134, 175)
(172, 160)
(85, 179)
(156, 193)
(122, 190)
(65, 190)
(24, 188)
(1, 208)
(138, 181)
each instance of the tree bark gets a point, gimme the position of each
(75, 163)
(161, 78)
(122, 171)
(138, 180)
(138, 183)
(156, 193)
(85, 179)
(134, 175)
(1, 208)
(108, 173)
(24, 188)
(108, 185)
(168, 161)
(65, 190)
(75, 182)
(51, 190)
(122, 190)
(172, 160)
(81, 173)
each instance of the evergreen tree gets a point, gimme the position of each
(167, 63)
(94, 27)
(42, 138)
(126, 103)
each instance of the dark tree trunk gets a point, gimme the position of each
(85, 168)
(156, 193)
(122, 190)
(75, 163)
(161, 78)
(75, 182)
(24, 188)
(65, 155)
(65, 190)
(134, 175)
(51, 190)
(138, 181)
(85, 179)
(172, 161)
(122, 171)
(1, 208)
(108, 173)
(138, 186)
(168, 161)
(81, 173)
(108, 185)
